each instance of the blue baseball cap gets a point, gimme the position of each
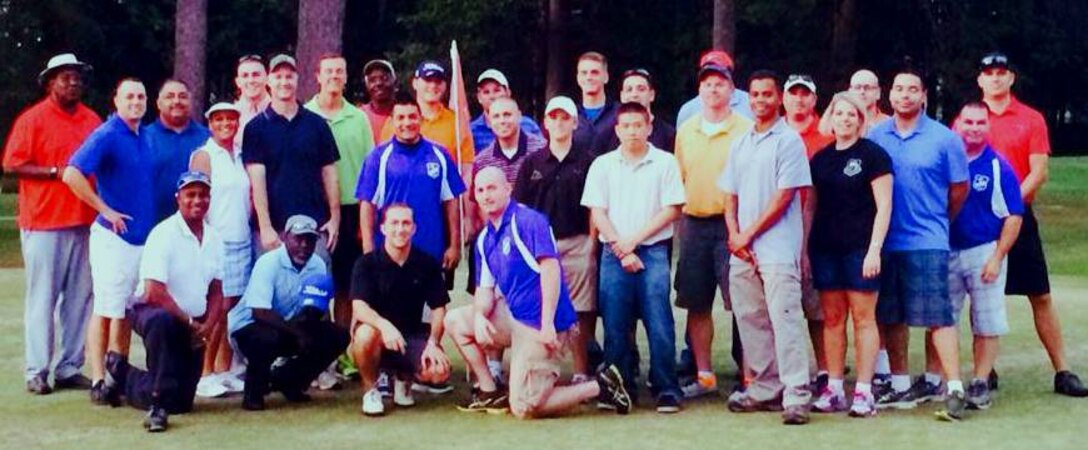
(316, 291)
(191, 177)
(431, 69)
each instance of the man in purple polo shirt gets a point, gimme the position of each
(533, 317)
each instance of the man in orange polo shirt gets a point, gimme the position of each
(53, 224)
(1019, 134)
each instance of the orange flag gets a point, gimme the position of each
(459, 101)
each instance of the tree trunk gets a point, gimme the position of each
(320, 31)
(558, 17)
(844, 38)
(724, 34)
(190, 41)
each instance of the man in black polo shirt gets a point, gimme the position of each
(291, 156)
(637, 86)
(388, 289)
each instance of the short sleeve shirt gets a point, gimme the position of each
(274, 284)
(398, 293)
(482, 136)
(442, 130)
(187, 266)
(121, 163)
(421, 175)
(813, 138)
(1017, 133)
(46, 135)
(634, 192)
(926, 162)
(170, 152)
(351, 131)
(555, 188)
(760, 165)
(293, 153)
(493, 156)
(663, 136)
(993, 194)
(845, 206)
(702, 159)
(738, 103)
(508, 259)
(377, 121)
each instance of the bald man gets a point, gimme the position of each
(516, 255)
(866, 86)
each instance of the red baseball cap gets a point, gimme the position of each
(716, 57)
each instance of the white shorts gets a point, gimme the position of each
(988, 315)
(115, 270)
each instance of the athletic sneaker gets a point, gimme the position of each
(372, 403)
(156, 420)
(432, 388)
(895, 399)
(1067, 383)
(795, 415)
(668, 404)
(383, 384)
(233, 384)
(703, 384)
(38, 385)
(923, 391)
(863, 405)
(882, 384)
(920, 392)
(978, 395)
(954, 407)
(818, 384)
(830, 402)
(327, 380)
(612, 393)
(211, 386)
(402, 393)
(495, 402)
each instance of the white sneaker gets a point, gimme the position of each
(233, 384)
(327, 380)
(372, 403)
(402, 393)
(211, 386)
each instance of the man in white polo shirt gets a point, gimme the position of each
(177, 304)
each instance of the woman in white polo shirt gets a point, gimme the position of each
(229, 215)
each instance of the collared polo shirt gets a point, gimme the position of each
(293, 153)
(173, 256)
(588, 129)
(249, 111)
(170, 152)
(377, 121)
(702, 159)
(761, 164)
(46, 135)
(634, 192)
(421, 175)
(493, 156)
(814, 140)
(926, 162)
(993, 194)
(508, 258)
(738, 103)
(120, 161)
(274, 284)
(482, 136)
(398, 292)
(442, 130)
(351, 131)
(663, 136)
(555, 188)
(230, 208)
(1017, 133)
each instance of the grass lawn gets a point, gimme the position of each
(1026, 413)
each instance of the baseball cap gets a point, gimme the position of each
(994, 59)
(430, 69)
(715, 68)
(379, 63)
(221, 106)
(800, 80)
(495, 75)
(316, 291)
(563, 103)
(282, 59)
(61, 61)
(191, 177)
(718, 57)
(299, 224)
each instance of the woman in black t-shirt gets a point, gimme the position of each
(852, 207)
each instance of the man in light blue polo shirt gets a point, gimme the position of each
(533, 315)
(171, 139)
(930, 167)
(490, 86)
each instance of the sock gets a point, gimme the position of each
(955, 386)
(883, 364)
(835, 385)
(932, 378)
(900, 383)
(821, 373)
(863, 388)
(495, 367)
(707, 378)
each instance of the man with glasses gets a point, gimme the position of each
(866, 86)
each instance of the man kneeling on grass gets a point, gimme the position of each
(517, 255)
(389, 287)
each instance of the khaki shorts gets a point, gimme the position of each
(534, 369)
(579, 262)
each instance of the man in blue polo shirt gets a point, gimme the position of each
(120, 162)
(171, 139)
(517, 256)
(490, 86)
(930, 186)
(291, 156)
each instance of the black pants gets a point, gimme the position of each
(174, 364)
(261, 344)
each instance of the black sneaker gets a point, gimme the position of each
(795, 415)
(978, 395)
(954, 407)
(612, 392)
(490, 402)
(1068, 383)
(668, 404)
(38, 385)
(105, 395)
(116, 375)
(77, 381)
(992, 379)
(923, 391)
(253, 403)
(818, 384)
(155, 421)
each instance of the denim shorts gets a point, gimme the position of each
(914, 289)
(841, 272)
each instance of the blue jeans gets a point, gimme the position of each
(622, 296)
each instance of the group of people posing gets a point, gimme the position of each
(288, 245)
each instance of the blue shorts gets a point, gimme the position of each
(914, 290)
(841, 272)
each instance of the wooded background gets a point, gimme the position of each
(535, 43)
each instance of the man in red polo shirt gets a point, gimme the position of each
(1019, 134)
(53, 224)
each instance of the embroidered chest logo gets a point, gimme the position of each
(536, 176)
(433, 170)
(980, 182)
(506, 246)
(853, 167)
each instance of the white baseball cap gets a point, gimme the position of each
(221, 106)
(493, 74)
(563, 103)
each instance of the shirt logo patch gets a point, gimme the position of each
(853, 167)
(980, 182)
(506, 246)
(536, 175)
(433, 170)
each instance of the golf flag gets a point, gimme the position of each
(459, 106)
